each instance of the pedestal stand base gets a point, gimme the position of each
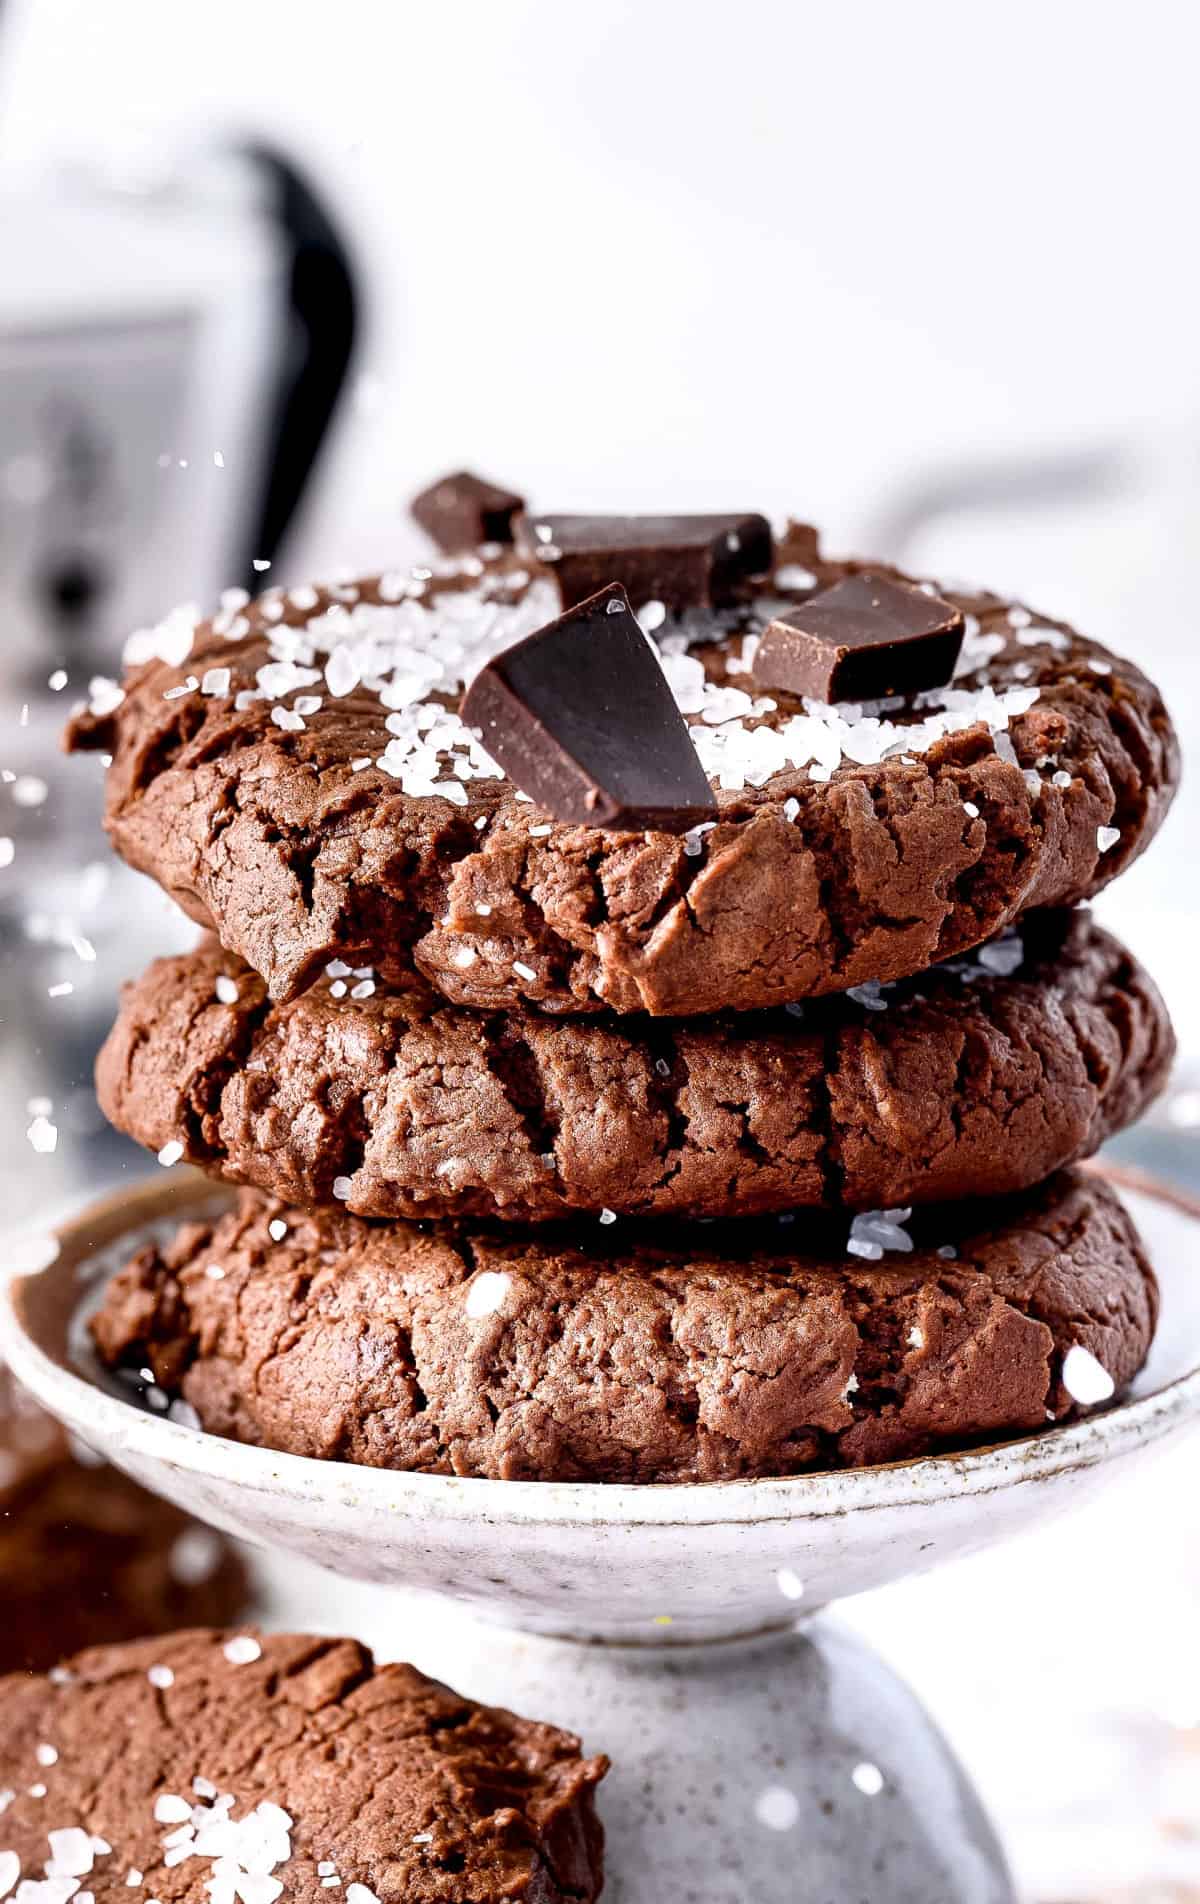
(748, 1771)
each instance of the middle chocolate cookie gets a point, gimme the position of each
(977, 1079)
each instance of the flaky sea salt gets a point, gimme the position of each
(1107, 837)
(342, 1188)
(243, 1650)
(867, 1779)
(43, 1136)
(486, 1294)
(1003, 956)
(1085, 1379)
(170, 1153)
(777, 1808)
(874, 1231)
(226, 990)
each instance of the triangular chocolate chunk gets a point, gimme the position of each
(582, 719)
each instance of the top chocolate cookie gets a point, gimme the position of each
(296, 774)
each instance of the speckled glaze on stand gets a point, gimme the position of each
(706, 1695)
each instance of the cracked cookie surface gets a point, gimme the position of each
(239, 1766)
(291, 827)
(968, 1082)
(607, 1353)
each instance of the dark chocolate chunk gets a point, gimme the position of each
(681, 561)
(461, 511)
(581, 718)
(863, 639)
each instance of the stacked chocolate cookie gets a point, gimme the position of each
(664, 1063)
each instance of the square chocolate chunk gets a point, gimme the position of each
(461, 511)
(682, 561)
(582, 719)
(864, 639)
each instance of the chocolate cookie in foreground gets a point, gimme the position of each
(87, 1557)
(624, 1353)
(232, 1766)
(296, 774)
(978, 1079)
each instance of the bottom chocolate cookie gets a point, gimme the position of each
(87, 1557)
(234, 1767)
(604, 1353)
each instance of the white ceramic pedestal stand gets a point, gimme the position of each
(754, 1762)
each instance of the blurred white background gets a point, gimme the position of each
(924, 273)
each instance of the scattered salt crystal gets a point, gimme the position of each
(789, 1583)
(161, 1677)
(46, 1755)
(1085, 1379)
(652, 615)
(290, 723)
(868, 1779)
(338, 989)
(777, 1808)
(304, 597)
(791, 808)
(915, 1337)
(360, 1894)
(523, 971)
(486, 1293)
(170, 1153)
(1060, 779)
(307, 704)
(37, 1791)
(215, 681)
(364, 989)
(608, 1216)
(970, 809)
(464, 957)
(868, 995)
(615, 606)
(226, 989)
(43, 1136)
(1099, 667)
(363, 761)
(63, 989)
(71, 1853)
(183, 1414)
(104, 696)
(1106, 837)
(10, 1871)
(539, 832)
(169, 1809)
(29, 790)
(342, 1188)
(260, 565)
(947, 1252)
(874, 1231)
(792, 575)
(58, 681)
(243, 1650)
(1002, 956)
(1019, 617)
(133, 1877)
(277, 1229)
(195, 1556)
(1005, 749)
